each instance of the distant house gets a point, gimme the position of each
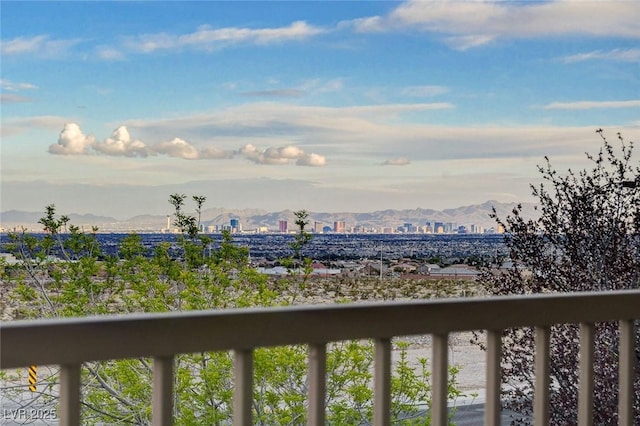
(427, 268)
(9, 258)
(316, 271)
(404, 268)
(373, 269)
(456, 271)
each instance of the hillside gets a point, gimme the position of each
(253, 218)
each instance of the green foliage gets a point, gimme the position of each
(64, 274)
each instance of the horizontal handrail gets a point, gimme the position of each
(77, 340)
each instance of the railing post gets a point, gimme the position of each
(542, 380)
(493, 403)
(317, 368)
(70, 395)
(440, 374)
(585, 379)
(242, 387)
(627, 361)
(162, 392)
(382, 383)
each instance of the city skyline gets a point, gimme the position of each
(109, 107)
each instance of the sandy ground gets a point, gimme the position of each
(468, 357)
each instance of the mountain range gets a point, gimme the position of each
(477, 214)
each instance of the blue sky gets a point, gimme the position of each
(107, 107)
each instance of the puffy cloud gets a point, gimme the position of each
(401, 161)
(313, 160)
(281, 156)
(592, 104)
(178, 148)
(269, 156)
(214, 153)
(72, 141)
(121, 144)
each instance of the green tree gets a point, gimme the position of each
(64, 274)
(587, 237)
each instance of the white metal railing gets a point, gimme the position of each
(70, 342)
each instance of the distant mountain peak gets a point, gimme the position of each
(250, 218)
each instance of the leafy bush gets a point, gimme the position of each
(64, 274)
(587, 238)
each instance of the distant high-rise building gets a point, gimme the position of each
(317, 227)
(282, 226)
(438, 228)
(339, 226)
(235, 225)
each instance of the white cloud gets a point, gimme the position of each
(109, 54)
(10, 86)
(313, 160)
(11, 98)
(463, 43)
(321, 86)
(121, 144)
(467, 24)
(213, 153)
(275, 93)
(394, 109)
(592, 104)
(178, 148)
(41, 46)
(307, 87)
(208, 38)
(72, 141)
(21, 45)
(401, 161)
(424, 91)
(16, 126)
(369, 134)
(622, 55)
(281, 156)
(369, 24)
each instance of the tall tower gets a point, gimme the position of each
(282, 226)
(168, 222)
